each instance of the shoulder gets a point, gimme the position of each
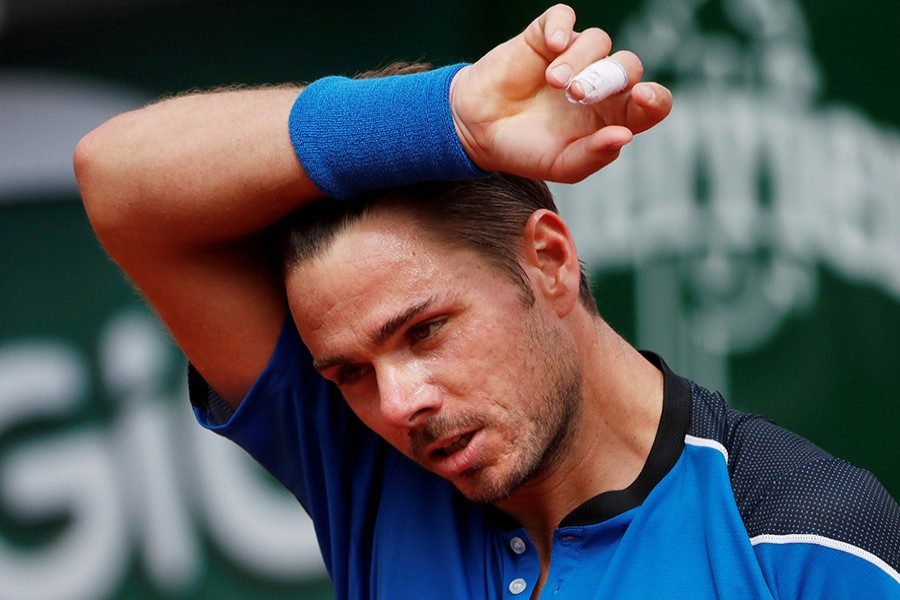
(790, 491)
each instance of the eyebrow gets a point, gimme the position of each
(395, 323)
(383, 333)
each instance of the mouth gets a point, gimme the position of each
(454, 455)
(453, 445)
(450, 455)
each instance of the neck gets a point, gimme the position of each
(622, 404)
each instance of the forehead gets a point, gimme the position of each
(375, 268)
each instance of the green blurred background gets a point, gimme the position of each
(753, 240)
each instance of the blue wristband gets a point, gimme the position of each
(355, 135)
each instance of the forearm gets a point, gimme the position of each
(173, 191)
(192, 171)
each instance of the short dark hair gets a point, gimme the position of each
(487, 215)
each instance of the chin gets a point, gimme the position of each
(484, 487)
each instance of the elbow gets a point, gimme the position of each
(89, 166)
(102, 187)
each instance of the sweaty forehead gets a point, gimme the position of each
(388, 222)
(376, 266)
(383, 238)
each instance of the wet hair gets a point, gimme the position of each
(486, 215)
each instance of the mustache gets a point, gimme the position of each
(438, 427)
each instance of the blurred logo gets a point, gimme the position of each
(147, 483)
(727, 210)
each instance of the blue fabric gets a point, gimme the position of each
(388, 529)
(822, 572)
(355, 135)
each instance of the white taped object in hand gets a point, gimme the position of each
(599, 80)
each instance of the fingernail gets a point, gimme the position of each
(559, 37)
(647, 92)
(562, 73)
(577, 89)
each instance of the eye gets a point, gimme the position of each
(350, 374)
(423, 331)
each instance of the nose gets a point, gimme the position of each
(408, 394)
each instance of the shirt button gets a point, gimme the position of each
(518, 545)
(517, 586)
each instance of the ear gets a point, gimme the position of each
(550, 258)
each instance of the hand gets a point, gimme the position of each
(511, 111)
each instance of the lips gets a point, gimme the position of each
(452, 446)
(455, 455)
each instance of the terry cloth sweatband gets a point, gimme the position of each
(355, 135)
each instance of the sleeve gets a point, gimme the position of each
(812, 567)
(820, 526)
(299, 428)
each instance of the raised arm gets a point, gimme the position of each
(175, 192)
(178, 192)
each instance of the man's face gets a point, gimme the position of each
(434, 350)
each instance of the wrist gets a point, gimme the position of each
(354, 135)
(463, 133)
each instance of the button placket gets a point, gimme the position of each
(521, 564)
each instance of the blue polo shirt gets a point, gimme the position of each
(728, 505)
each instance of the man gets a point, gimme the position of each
(530, 450)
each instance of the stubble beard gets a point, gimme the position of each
(553, 421)
(537, 453)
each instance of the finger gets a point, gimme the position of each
(648, 104)
(551, 33)
(559, 23)
(590, 154)
(605, 77)
(597, 81)
(586, 48)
